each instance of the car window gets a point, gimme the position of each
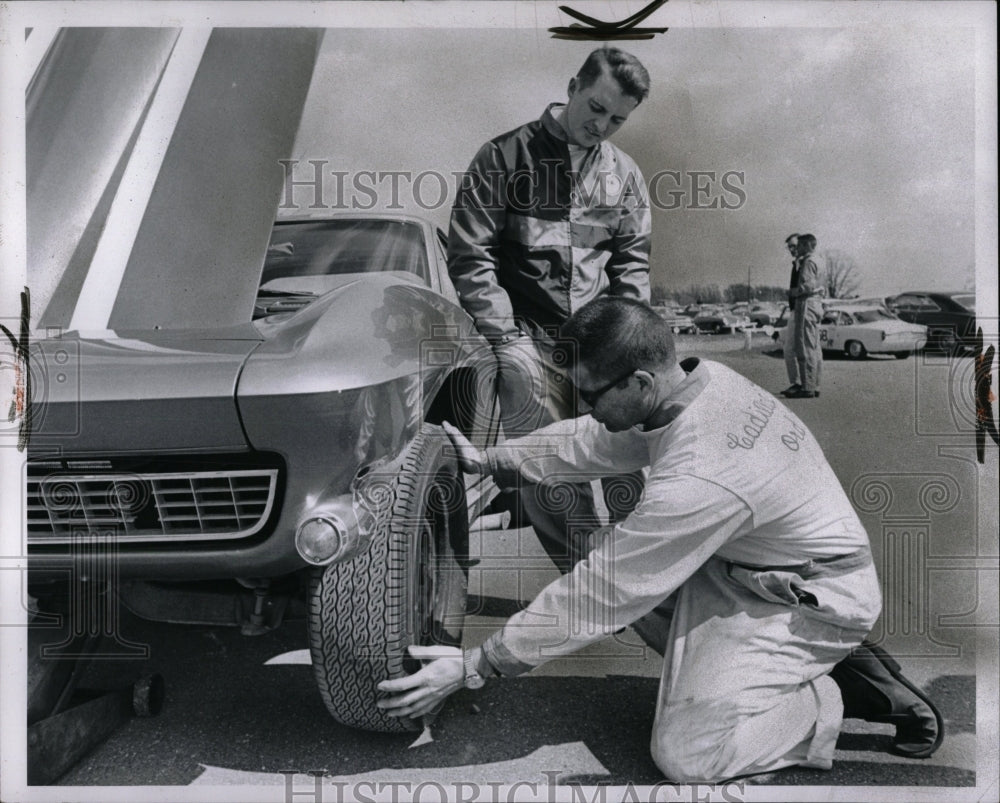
(967, 301)
(874, 315)
(338, 247)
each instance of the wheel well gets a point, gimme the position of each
(456, 401)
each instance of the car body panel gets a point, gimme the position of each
(134, 394)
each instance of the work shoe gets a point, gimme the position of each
(802, 393)
(791, 389)
(873, 688)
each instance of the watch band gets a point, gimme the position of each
(473, 680)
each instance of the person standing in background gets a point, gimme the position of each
(791, 363)
(808, 294)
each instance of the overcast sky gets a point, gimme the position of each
(862, 136)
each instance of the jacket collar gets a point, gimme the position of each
(551, 124)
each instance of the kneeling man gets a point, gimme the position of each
(743, 524)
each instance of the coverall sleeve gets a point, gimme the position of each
(810, 283)
(580, 447)
(477, 222)
(680, 523)
(628, 268)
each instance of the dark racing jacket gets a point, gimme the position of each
(531, 240)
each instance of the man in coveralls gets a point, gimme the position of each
(549, 216)
(742, 522)
(807, 293)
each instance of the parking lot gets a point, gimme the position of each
(244, 710)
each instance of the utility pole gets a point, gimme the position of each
(749, 291)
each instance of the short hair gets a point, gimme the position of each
(625, 68)
(809, 241)
(611, 335)
(791, 237)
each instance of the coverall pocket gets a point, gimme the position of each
(779, 587)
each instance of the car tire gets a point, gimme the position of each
(901, 355)
(855, 349)
(409, 587)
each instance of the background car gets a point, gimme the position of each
(765, 314)
(679, 322)
(950, 317)
(719, 320)
(858, 330)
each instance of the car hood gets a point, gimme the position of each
(139, 391)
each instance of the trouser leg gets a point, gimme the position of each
(745, 686)
(788, 350)
(533, 394)
(808, 350)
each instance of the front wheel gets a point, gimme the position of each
(901, 355)
(408, 587)
(855, 349)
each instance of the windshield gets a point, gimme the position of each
(338, 247)
(967, 301)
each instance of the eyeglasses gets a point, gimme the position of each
(591, 397)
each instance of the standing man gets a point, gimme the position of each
(791, 362)
(549, 216)
(808, 294)
(744, 522)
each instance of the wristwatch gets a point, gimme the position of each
(473, 680)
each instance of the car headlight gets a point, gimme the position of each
(329, 533)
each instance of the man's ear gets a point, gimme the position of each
(571, 89)
(645, 378)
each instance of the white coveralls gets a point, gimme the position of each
(741, 516)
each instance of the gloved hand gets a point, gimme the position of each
(424, 691)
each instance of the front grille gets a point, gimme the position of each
(177, 506)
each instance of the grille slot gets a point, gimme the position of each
(178, 506)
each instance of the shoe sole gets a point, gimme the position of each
(896, 671)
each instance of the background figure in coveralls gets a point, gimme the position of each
(743, 518)
(548, 217)
(791, 361)
(808, 294)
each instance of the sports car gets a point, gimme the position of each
(233, 420)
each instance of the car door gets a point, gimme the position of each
(829, 331)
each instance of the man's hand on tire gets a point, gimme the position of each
(424, 691)
(470, 459)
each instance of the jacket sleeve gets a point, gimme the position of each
(679, 524)
(477, 222)
(628, 268)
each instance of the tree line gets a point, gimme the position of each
(839, 271)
